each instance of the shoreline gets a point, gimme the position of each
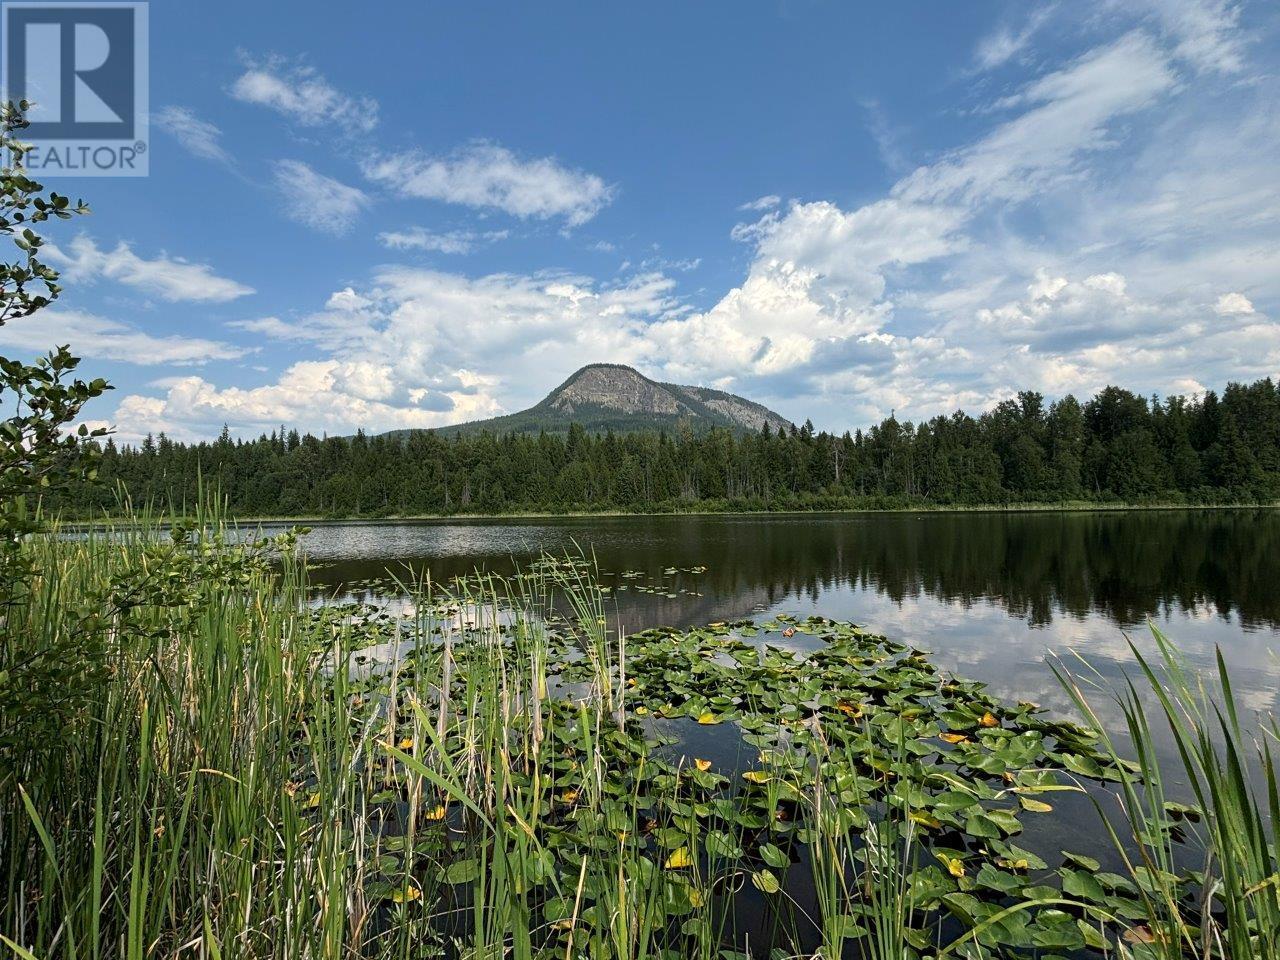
(1012, 508)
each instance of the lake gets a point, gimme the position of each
(991, 595)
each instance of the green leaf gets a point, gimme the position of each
(765, 881)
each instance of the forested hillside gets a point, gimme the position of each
(1116, 447)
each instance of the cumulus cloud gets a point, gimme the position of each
(489, 176)
(100, 338)
(408, 352)
(1233, 304)
(300, 93)
(315, 200)
(172, 279)
(200, 137)
(322, 396)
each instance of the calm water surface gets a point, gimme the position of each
(991, 595)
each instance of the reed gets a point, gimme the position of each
(1226, 770)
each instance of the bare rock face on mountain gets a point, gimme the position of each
(607, 396)
(615, 388)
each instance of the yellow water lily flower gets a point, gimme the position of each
(708, 719)
(679, 859)
(569, 796)
(703, 765)
(436, 813)
(850, 709)
(989, 720)
(406, 743)
(1019, 864)
(406, 894)
(954, 865)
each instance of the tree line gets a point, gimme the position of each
(1117, 447)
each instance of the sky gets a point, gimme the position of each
(418, 214)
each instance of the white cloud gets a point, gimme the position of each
(315, 200)
(418, 349)
(1205, 32)
(1006, 42)
(454, 241)
(762, 203)
(1233, 304)
(1070, 114)
(99, 338)
(170, 279)
(322, 396)
(199, 137)
(488, 176)
(272, 327)
(303, 95)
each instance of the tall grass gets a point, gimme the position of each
(159, 819)
(1227, 765)
(222, 790)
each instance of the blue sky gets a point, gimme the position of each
(429, 213)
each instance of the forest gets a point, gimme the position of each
(1116, 447)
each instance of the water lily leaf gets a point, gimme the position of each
(952, 801)
(981, 825)
(774, 856)
(720, 844)
(462, 871)
(1082, 765)
(765, 881)
(1078, 883)
(924, 819)
(1006, 883)
(679, 859)
(1080, 860)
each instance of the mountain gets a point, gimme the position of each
(609, 396)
